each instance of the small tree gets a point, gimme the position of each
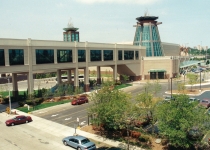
(125, 78)
(192, 79)
(181, 87)
(69, 89)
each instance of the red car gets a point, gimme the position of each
(79, 101)
(205, 102)
(18, 120)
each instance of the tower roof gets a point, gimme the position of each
(144, 18)
(70, 29)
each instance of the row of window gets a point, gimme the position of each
(45, 56)
(71, 37)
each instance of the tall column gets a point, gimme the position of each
(55, 56)
(30, 83)
(6, 56)
(69, 75)
(14, 84)
(59, 76)
(115, 72)
(98, 75)
(76, 80)
(86, 78)
(30, 67)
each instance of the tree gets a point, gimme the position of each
(146, 101)
(125, 77)
(192, 79)
(175, 119)
(109, 105)
(181, 87)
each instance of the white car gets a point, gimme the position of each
(192, 99)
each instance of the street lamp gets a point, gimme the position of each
(171, 86)
(200, 79)
(9, 97)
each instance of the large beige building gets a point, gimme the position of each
(148, 57)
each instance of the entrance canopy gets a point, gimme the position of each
(157, 70)
(188, 63)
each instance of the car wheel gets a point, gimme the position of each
(78, 148)
(65, 143)
(26, 121)
(12, 124)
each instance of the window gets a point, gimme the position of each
(148, 48)
(81, 55)
(44, 56)
(16, 57)
(72, 37)
(64, 56)
(128, 55)
(146, 33)
(119, 54)
(95, 55)
(68, 37)
(137, 54)
(77, 37)
(108, 55)
(157, 49)
(2, 58)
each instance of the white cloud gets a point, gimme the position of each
(141, 2)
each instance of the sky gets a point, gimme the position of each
(184, 22)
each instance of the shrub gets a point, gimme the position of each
(144, 138)
(38, 100)
(21, 103)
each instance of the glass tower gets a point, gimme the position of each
(147, 35)
(71, 34)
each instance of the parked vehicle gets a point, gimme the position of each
(18, 120)
(80, 100)
(192, 99)
(205, 102)
(79, 142)
(195, 133)
(168, 98)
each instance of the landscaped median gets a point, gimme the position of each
(42, 106)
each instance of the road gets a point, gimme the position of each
(66, 114)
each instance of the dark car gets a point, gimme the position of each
(80, 100)
(205, 102)
(18, 120)
(79, 142)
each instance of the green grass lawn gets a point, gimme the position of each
(42, 106)
(122, 86)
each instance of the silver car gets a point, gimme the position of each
(79, 142)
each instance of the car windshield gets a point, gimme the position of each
(84, 141)
(203, 101)
(15, 118)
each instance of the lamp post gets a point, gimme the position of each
(171, 86)
(200, 80)
(9, 97)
